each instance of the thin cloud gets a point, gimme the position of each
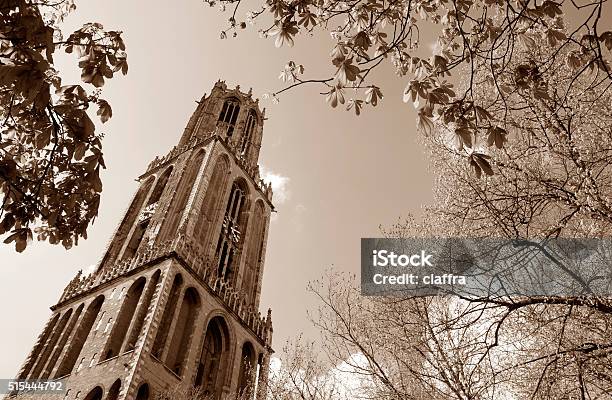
(89, 269)
(298, 217)
(280, 185)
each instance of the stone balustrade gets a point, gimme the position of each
(176, 150)
(193, 257)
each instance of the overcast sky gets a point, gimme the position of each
(338, 177)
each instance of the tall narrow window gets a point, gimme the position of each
(175, 213)
(141, 313)
(212, 202)
(213, 358)
(128, 221)
(246, 376)
(249, 129)
(79, 337)
(183, 330)
(61, 344)
(228, 116)
(260, 257)
(250, 277)
(160, 185)
(42, 340)
(124, 317)
(230, 239)
(169, 310)
(44, 357)
(144, 218)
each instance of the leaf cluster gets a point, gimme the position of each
(470, 37)
(50, 151)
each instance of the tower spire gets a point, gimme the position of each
(183, 271)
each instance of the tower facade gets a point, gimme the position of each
(175, 299)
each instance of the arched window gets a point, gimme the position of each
(211, 204)
(169, 310)
(228, 116)
(160, 185)
(126, 313)
(250, 277)
(258, 372)
(143, 392)
(128, 221)
(144, 218)
(213, 358)
(179, 202)
(246, 378)
(44, 337)
(79, 338)
(247, 136)
(95, 394)
(59, 348)
(141, 313)
(183, 330)
(230, 239)
(50, 345)
(113, 392)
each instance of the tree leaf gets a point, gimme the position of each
(356, 104)
(465, 136)
(425, 123)
(373, 94)
(104, 110)
(497, 136)
(335, 96)
(480, 163)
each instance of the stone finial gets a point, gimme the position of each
(221, 84)
(250, 92)
(269, 329)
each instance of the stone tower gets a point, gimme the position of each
(175, 299)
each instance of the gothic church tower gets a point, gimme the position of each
(175, 299)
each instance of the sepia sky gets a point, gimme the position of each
(338, 177)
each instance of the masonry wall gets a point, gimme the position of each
(159, 375)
